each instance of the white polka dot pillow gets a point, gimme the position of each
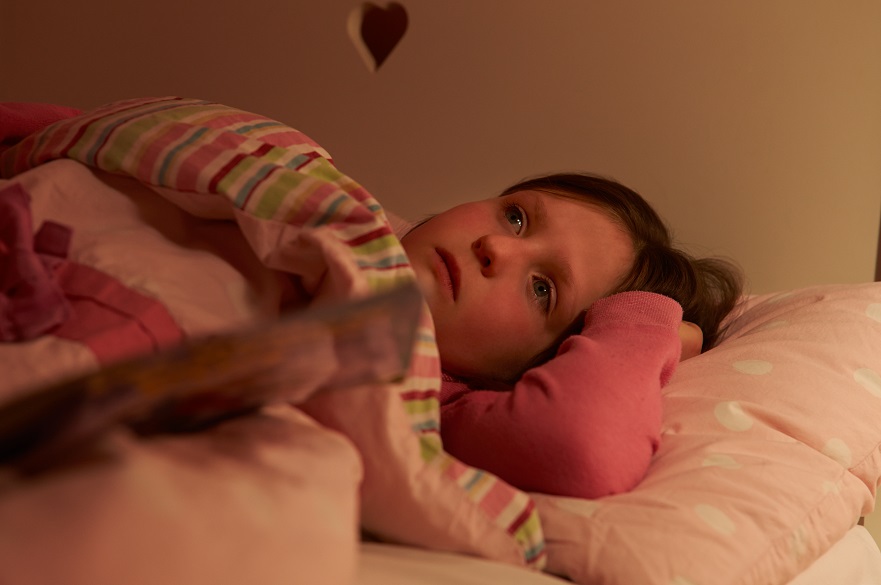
(771, 451)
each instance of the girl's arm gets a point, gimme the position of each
(586, 423)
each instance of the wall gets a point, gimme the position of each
(873, 522)
(753, 126)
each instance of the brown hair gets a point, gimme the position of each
(707, 288)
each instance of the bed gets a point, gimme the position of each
(151, 222)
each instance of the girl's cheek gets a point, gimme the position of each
(506, 320)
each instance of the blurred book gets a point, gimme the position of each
(208, 380)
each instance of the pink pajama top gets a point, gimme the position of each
(584, 424)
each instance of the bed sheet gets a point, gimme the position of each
(854, 560)
(384, 564)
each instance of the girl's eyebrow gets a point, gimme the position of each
(539, 211)
(563, 274)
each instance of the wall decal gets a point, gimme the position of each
(376, 31)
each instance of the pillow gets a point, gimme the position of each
(771, 450)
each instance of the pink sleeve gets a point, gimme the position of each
(586, 423)
(19, 119)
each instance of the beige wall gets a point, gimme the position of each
(873, 522)
(753, 126)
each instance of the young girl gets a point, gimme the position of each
(561, 310)
(553, 361)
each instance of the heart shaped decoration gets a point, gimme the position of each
(376, 31)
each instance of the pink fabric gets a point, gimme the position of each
(31, 300)
(43, 293)
(19, 119)
(114, 321)
(261, 498)
(164, 275)
(270, 498)
(585, 424)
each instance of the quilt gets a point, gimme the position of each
(151, 221)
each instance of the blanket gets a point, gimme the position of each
(191, 218)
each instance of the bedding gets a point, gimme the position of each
(257, 499)
(215, 218)
(205, 219)
(854, 560)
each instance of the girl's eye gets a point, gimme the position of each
(543, 291)
(514, 215)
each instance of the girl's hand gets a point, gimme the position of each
(692, 339)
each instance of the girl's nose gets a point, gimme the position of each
(490, 252)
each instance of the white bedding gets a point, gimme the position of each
(854, 560)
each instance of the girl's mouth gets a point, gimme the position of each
(451, 275)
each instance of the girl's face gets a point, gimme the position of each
(506, 277)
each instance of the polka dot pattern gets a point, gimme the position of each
(731, 416)
(754, 367)
(798, 543)
(721, 460)
(584, 508)
(716, 519)
(870, 380)
(839, 451)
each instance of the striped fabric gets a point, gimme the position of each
(271, 173)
